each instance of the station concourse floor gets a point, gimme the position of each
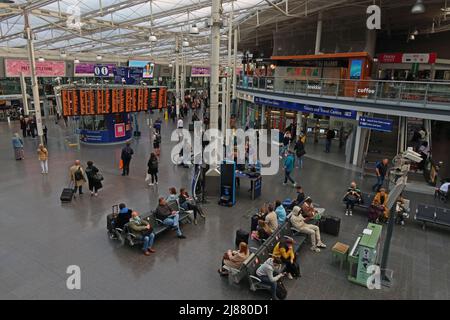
(40, 237)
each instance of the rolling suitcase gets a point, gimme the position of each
(330, 225)
(66, 195)
(254, 223)
(241, 236)
(111, 218)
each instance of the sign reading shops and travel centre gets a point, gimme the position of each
(322, 111)
(376, 124)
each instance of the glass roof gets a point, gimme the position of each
(117, 27)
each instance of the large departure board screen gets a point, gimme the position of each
(94, 101)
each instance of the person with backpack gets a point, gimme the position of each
(268, 274)
(152, 170)
(94, 178)
(77, 176)
(288, 168)
(127, 154)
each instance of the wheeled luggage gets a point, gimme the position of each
(67, 195)
(330, 225)
(254, 223)
(241, 236)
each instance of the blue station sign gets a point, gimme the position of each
(377, 124)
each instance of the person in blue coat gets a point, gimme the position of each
(281, 212)
(289, 164)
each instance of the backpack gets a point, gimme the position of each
(154, 164)
(281, 290)
(78, 175)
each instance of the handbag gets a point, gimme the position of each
(147, 177)
(121, 164)
(98, 177)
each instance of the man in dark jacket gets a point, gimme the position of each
(142, 230)
(168, 217)
(126, 156)
(330, 136)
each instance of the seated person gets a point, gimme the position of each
(263, 211)
(284, 250)
(382, 198)
(444, 190)
(268, 274)
(143, 231)
(299, 199)
(263, 230)
(309, 211)
(172, 195)
(271, 218)
(281, 212)
(352, 197)
(123, 216)
(298, 222)
(234, 259)
(401, 210)
(376, 211)
(188, 203)
(168, 217)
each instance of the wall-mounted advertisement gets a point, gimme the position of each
(200, 72)
(147, 66)
(87, 69)
(356, 69)
(14, 67)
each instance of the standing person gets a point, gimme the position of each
(94, 178)
(43, 158)
(23, 126)
(330, 136)
(288, 168)
(157, 125)
(152, 170)
(380, 171)
(45, 130)
(17, 143)
(300, 151)
(157, 144)
(286, 142)
(127, 154)
(77, 176)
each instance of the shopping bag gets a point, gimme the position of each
(121, 164)
(147, 177)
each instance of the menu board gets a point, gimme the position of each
(79, 102)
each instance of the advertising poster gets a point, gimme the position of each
(356, 69)
(87, 69)
(119, 130)
(14, 67)
(147, 66)
(200, 72)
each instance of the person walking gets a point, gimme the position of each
(152, 170)
(330, 136)
(380, 171)
(17, 143)
(157, 144)
(45, 130)
(43, 158)
(288, 168)
(94, 178)
(127, 154)
(77, 176)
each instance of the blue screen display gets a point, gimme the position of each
(355, 69)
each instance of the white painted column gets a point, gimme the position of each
(215, 55)
(177, 77)
(299, 124)
(23, 88)
(263, 116)
(318, 33)
(357, 139)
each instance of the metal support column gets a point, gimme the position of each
(23, 87)
(235, 42)
(318, 33)
(357, 140)
(223, 107)
(177, 76)
(215, 55)
(299, 124)
(34, 80)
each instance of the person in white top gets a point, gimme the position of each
(444, 187)
(180, 124)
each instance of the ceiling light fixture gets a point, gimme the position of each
(41, 59)
(185, 43)
(412, 37)
(99, 57)
(63, 54)
(418, 7)
(76, 61)
(194, 29)
(152, 38)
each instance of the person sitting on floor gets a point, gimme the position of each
(234, 259)
(143, 231)
(284, 250)
(352, 197)
(188, 203)
(263, 230)
(309, 211)
(382, 198)
(168, 217)
(172, 195)
(271, 218)
(268, 274)
(281, 212)
(298, 223)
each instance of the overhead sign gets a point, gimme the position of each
(200, 72)
(14, 67)
(88, 69)
(319, 110)
(427, 58)
(101, 71)
(376, 124)
(119, 130)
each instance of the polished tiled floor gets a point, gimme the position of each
(40, 237)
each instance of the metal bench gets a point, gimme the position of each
(425, 213)
(442, 217)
